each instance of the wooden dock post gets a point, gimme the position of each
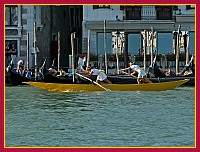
(58, 51)
(35, 50)
(88, 51)
(27, 54)
(145, 47)
(117, 57)
(105, 52)
(152, 38)
(72, 46)
(177, 46)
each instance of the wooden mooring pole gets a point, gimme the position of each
(35, 51)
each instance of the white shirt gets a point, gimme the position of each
(95, 71)
(101, 76)
(135, 67)
(141, 73)
(20, 63)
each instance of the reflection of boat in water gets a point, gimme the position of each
(58, 87)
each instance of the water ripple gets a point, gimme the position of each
(39, 118)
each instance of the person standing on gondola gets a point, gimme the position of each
(141, 74)
(21, 67)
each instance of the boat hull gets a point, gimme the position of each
(131, 80)
(12, 78)
(115, 79)
(58, 87)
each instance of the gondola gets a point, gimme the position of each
(59, 87)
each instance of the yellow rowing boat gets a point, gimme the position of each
(57, 87)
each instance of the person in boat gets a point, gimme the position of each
(62, 73)
(10, 67)
(169, 72)
(141, 74)
(158, 71)
(186, 71)
(101, 76)
(81, 64)
(52, 71)
(21, 67)
(155, 71)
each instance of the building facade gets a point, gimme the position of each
(18, 22)
(49, 19)
(123, 24)
(130, 21)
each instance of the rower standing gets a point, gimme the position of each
(21, 66)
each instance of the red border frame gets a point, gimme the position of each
(2, 149)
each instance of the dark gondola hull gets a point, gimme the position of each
(49, 78)
(130, 79)
(115, 79)
(12, 78)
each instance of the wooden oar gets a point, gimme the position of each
(93, 82)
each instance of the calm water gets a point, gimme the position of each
(38, 118)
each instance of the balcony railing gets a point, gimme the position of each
(148, 12)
